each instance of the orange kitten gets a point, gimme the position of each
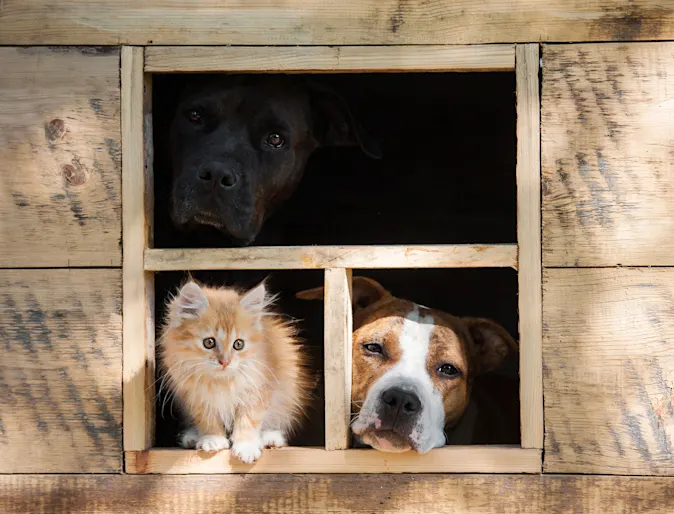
(235, 367)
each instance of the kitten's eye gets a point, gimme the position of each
(275, 140)
(238, 344)
(448, 371)
(195, 117)
(374, 348)
(209, 343)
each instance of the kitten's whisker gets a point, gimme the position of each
(257, 361)
(252, 368)
(252, 383)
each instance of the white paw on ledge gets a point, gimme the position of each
(247, 451)
(212, 443)
(189, 438)
(273, 439)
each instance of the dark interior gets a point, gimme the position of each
(447, 176)
(447, 173)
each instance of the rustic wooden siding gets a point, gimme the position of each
(60, 156)
(316, 22)
(607, 154)
(338, 494)
(608, 354)
(60, 372)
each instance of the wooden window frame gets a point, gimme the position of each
(141, 261)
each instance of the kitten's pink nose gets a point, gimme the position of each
(224, 364)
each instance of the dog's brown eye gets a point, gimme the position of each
(238, 344)
(209, 343)
(275, 140)
(448, 371)
(374, 348)
(195, 116)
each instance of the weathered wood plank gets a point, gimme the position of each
(338, 494)
(315, 22)
(608, 353)
(317, 257)
(138, 285)
(316, 59)
(607, 158)
(529, 242)
(338, 354)
(450, 459)
(60, 152)
(60, 371)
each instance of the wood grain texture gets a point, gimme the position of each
(139, 354)
(346, 59)
(450, 459)
(336, 494)
(315, 22)
(60, 157)
(321, 257)
(60, 371)
(608, 161)
(338, 353)
(529, 242)
(608, 353)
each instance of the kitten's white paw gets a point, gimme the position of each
(247, 451)
(189, 438)
(273, 439)
(212, 443)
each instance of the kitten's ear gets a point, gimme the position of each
(255, 300)
(191, 301)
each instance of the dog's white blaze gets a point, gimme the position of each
(415, 340)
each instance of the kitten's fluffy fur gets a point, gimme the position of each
(254, 396)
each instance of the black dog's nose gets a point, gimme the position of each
(397, 399)
(218, 174)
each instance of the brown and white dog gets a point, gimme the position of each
(414, 367)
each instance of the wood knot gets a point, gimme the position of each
(55, 129)
(72, 175)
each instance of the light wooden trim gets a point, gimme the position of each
(334, 59)
(337, 344)
(529, 240)
(321, 257)
(450, 459)
(319, 22)
(138, 286)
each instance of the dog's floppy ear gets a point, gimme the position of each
(335, 125)
(364, 292)
(491, 343)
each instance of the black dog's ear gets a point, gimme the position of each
(334, 122)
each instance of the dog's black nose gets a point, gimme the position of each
(405, 402)
(218, 174)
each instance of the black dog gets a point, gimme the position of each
(240, 145)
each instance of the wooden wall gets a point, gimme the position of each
(316, 22)
(335, 494)
(608, 346)
(60, 206)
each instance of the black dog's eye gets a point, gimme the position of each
(195, 117)
(448, 371)
(209, 343)
(275, 140)
(374, 348)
